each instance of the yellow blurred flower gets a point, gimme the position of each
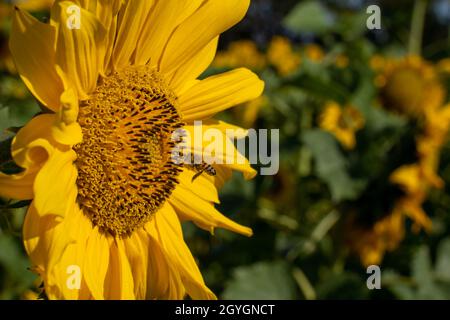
(247, 114)
(282, 56)
(342, 122)
(371, 244)
(342, 61)
(444, 65)
(377, 62)
(417, 179)
(30, 295)
(413, 182)
(242, 53)
(314, 53)
(437, 125)
(409, 85)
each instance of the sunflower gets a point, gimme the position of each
(372, 243)
(341, 61)
(342, 122)
(409, 85)
(283, 56)
(314, 53)
(106, 196)
(444, 66)
(415, 181)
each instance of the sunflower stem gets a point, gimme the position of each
(417, 27)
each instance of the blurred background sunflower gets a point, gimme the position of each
(364, 177)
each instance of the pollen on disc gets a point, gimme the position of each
(125, 170)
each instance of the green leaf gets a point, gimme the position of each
(342, 286)
(400, 286)
(261, 281)
(331, 165)
(310, 16)
(19, 204)
(320, 87)
(421, 267)
(423, 275)
(16, 116)
(352, 26)
(16, 266)
(443, 261)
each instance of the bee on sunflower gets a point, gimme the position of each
(106, 194)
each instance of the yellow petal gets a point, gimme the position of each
(209, 21)
(18, 186)
(72, 262)
(136, 248)
(408, 177)
(166, 229)
(223, 174)
(131, 20)
(33, 143)
(34, 5)
(79, 51)
(226, 155)
(163, 280)
(120, 279)
(66, 130)
(35, 229)
(46, 239)
(96, 263)
(201, 186)
(185, 76)
(218, 93)
(107, 12)
(418, 215)
(30, 149)
(192, 208)
(165, 16)
(32, 45)
(55, 185)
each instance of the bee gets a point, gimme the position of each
(201, 168)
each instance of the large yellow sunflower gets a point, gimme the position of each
(106, 196)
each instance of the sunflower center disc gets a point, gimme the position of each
(401, 97)
(125, 170)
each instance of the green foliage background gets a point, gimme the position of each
(297, 251)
